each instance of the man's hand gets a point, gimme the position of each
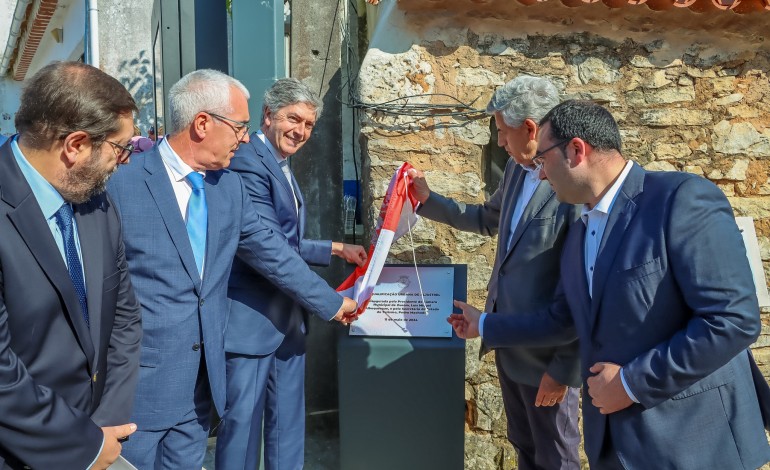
(111, 448)
(550, 392)
(606, 388)
(466, 325)
(353, 254)
(419, 185)
(347, 313)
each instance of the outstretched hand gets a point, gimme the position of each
(347, 312)
(353, 254)
(466, 324)
(420, 187)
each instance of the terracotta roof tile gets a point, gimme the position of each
(698, 6)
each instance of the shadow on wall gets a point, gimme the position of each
(136, 75)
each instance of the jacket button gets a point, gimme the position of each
(201, 302)
(196, 346)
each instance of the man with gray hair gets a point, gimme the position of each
(531, 224)
(265, 336)
(185, 217)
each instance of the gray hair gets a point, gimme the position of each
(289, 91)
(524, 97)
(200, 90)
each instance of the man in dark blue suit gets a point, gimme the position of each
(70, 324)
(657, 287)
(266, 328)
(185, 217)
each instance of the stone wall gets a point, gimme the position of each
(697, 102)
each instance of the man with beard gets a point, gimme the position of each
(185, 218)
(70, 325)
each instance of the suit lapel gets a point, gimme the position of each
(516, 180)
(91, 238)
(621, 214)
(272, 166)
(539, 198)
(160, 188)
(29, 221)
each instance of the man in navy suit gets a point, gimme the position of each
(70, 324)
(185, 217)
(539, 383)
(265, 336)
(657, 287)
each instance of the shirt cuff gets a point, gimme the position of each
(481, 324)
(97, 455)
(625, 386)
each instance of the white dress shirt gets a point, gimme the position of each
(595, 221)
(177, 171)
(529, 185)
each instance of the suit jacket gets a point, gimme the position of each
(181, 310)
(60, 379)
(674, 304)
(260, 317)
(525, 276)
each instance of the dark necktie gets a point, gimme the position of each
(284, 164)
(64, 220)
(197, 219)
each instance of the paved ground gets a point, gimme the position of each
(321, 445)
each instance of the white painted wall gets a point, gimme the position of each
(69, 16)
(125, 42)
(9, 90)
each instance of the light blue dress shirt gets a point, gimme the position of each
(49, 200)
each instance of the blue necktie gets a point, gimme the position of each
(64, 221)
(197, 219)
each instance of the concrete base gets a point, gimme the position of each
(402, 400)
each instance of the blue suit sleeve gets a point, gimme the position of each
(478, 218)
(125, 345)
(552, 326)
(269, 254)
(259, 186)
(316, 252)
(708, 262)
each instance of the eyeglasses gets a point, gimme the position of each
(539, 157)
(240, 128)
(125, 152)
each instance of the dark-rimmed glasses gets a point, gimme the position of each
(539, 157)
(125, 151)
(240, 128)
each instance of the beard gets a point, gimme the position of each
(78, 185)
